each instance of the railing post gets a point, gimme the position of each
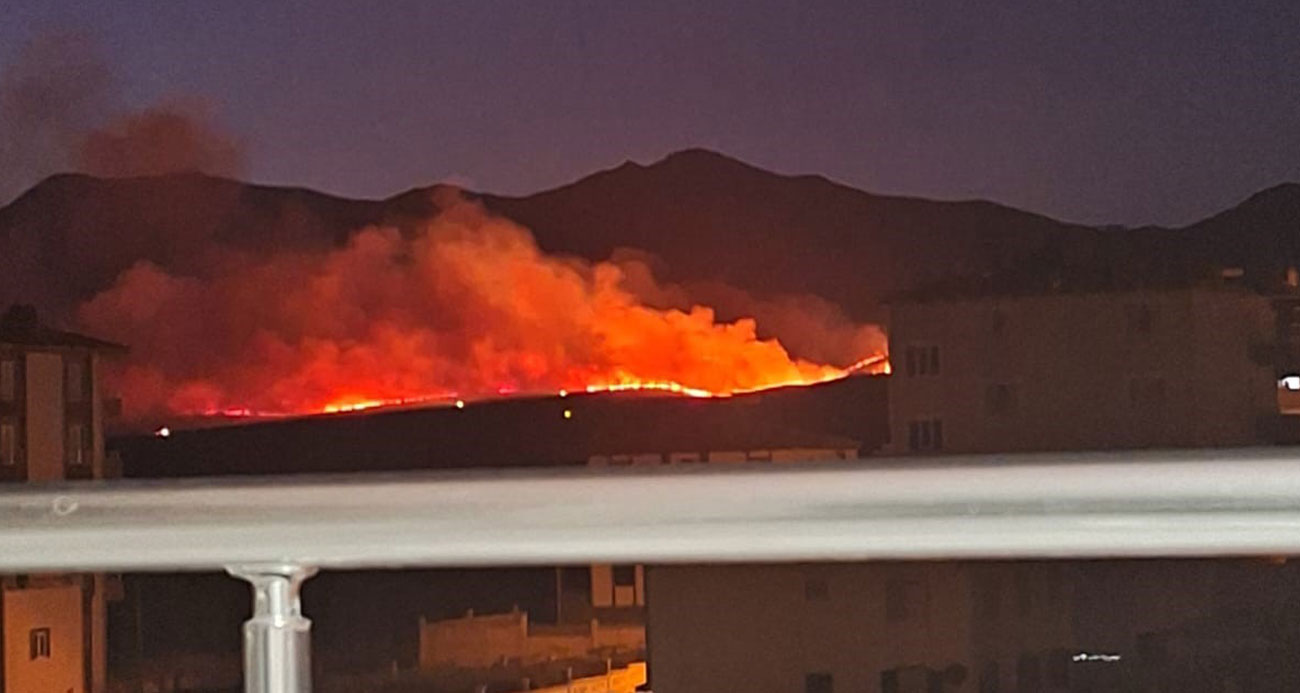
(277, 639)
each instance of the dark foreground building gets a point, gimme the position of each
(369, 621)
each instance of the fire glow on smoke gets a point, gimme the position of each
(466, 307)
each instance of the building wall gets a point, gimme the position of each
(473, 641)
(1021, 622)
(610, 586)
(44, 416)
(481, 641)
(46, 411)
(58, 608)
(1082, 372)
(767, 628)
(606, 592)
(624, 680)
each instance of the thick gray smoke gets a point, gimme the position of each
(59, 112)
(56, 90)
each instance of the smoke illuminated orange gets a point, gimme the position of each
(466, 307)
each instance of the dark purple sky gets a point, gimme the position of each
(1115, 111)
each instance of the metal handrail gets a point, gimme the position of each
(276, 532)
(1079, 505)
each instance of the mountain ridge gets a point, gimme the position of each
(706, 216)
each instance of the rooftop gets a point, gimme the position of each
(20, 326)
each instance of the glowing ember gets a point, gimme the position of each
(468, 307)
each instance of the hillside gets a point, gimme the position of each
(706, 216)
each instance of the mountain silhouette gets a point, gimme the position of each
(706, 218)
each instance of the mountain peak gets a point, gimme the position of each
(707, 160)
(1282, 193)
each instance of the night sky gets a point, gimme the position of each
(1102, 111)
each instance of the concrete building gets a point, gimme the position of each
(618, 591)
(365, 622)
(481, 641)
(1189, 367)
(888, 627)
(51, 429)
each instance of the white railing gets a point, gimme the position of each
(275, 532)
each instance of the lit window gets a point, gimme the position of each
(1290, 382)
(38, 641)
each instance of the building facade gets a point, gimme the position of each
(51, 429)
(890, 627)
(1177, 368)
(618, 592)
(1192, 367)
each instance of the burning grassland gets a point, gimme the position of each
(466, 306)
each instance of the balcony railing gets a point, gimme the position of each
(276, 532)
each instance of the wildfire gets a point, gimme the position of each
(466, 308)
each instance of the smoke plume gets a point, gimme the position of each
(56, 89)
(808, 326)
(60, 112)
(162, 139)
(467, 305)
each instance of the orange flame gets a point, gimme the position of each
(466, 307)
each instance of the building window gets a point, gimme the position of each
(625, 587)
(1024, 594)
(925, 434)
(1057, 669)
(625, 576)
(989, 601)
(1054, 588)
(816, 590)
(998, 322)
(38, 641)
(904, 600)
(8, 443)
(76, 445)
(1147, 391)
(1141, 319)
(8, 380)
(820, 682)
(921, 360)
(1000, 399)
(989, 678)
(1029, 677)
(74, 379)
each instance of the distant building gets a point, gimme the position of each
(831, 421)
(51, 429)
(888, 627)
(1187, 367)
(481, 641)
(618, 591)
(1190, 367)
